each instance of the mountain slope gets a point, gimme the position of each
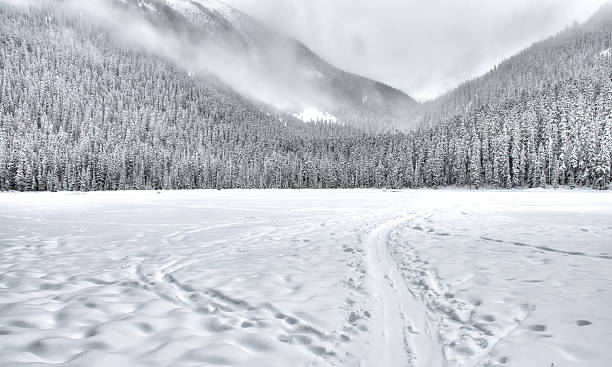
(542, 117)
(577, 52)
(301, 77)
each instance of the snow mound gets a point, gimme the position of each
(311, 114)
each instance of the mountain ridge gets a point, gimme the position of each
(317, 82)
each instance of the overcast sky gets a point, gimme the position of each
(423, 47)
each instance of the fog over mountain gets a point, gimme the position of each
(422, 47)
(209, 39)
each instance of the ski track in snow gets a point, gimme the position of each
(306, 278)
(402, 331)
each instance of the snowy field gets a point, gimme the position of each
(306, 278)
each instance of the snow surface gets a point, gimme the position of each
(306, 278)
(189, 9)
(213, 5)
(310, 114)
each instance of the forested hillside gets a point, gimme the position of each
(540, 117)
(576, 53)
(79, 111)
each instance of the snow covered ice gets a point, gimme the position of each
(306, 278)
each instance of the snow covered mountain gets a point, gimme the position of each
(289, 74)
(93, 98)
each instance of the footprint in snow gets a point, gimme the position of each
(489, 318)
(537, 328)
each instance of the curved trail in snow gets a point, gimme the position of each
(403, 334)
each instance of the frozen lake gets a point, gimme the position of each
(306, 278)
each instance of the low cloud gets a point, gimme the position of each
(253, 74)
(423, 47)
